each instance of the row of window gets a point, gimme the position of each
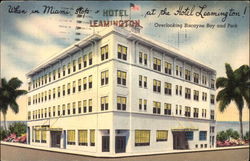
(81, 107)
(142, 137)
(76, 108)
(82, 62)
(61, 90)
(39, 135)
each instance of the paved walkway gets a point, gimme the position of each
(14, 153)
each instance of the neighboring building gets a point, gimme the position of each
(117, 91)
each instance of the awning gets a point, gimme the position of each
(48, 129)
(184, 129)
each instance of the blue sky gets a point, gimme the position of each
(29, 39)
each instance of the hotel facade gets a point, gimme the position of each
(118, 92)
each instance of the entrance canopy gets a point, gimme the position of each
(184, 129)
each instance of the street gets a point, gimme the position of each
(12, 153)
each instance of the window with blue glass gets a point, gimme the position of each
(203, 135)
(189, 135)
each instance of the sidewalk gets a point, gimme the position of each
(67, 151)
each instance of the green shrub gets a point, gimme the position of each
(222, 136)
(18, 128)
(247, 137)
(3, 133)
(235, 135)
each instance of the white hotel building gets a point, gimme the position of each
(116, 92)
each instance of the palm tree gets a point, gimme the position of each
(236, 87)
(8, 94)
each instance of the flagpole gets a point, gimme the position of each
(129, 12)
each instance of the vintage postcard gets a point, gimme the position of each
(124, 78)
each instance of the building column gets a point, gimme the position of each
(112, 134)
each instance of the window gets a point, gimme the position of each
(41, 113)
(92, 137)
(104, 103)
(145, 82)
(180, 90)
(79, 63)
(29, 115)
(196, 78)
(156, 107)
(90, 58)
(37, 135)
(204, 96)
(58, 91)
(83, 137)
(64, 90)
(79, 106)
(121, 103)
(64, 70)
(121, 77)
(63, 109)
(157, 64)
(140, 104)
(176, 90)
(189, 135)
(84, 61)
(74, 87)
(145, 59)
(104, 78)
(212, 83)
(68, 108)
(74, 65)
(167, 109)
(43, 134)
(168, 68)
(180, 109)
(90, 105)
(122, 52)
(176, 70)
(54, 74)
(204, 113)
(49, 94)
(212, 99)
(90, 81)
(74, 108)
(168, 88)
(79, 84)
(204, 79)
(187, 111)
(140, 57)
(187, 93)
(45, 112)
(84, 81)
(71, 137)
(29, 100)
(203, 135)
(176, 110)
(145, 104)
(196, 95)
(85, 106)
(196, 112)
(54, 111)
(104, 52)
(46, 77)
(212, 114)
(142, 137)
(68, 88)
(45, 96)
(69, 68)
(140, 80)
(156, 86)
(187, 75)
(161, 135)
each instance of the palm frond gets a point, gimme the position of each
(239, 102)
(221, 82)
(223, 104)
(15, 83)
(20, 92)
(14, 106)
(229, 70)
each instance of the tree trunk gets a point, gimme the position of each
(4, 119)
(241, 127)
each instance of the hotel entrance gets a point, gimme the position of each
(179, 140)
(55, 138)
(120, 144)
